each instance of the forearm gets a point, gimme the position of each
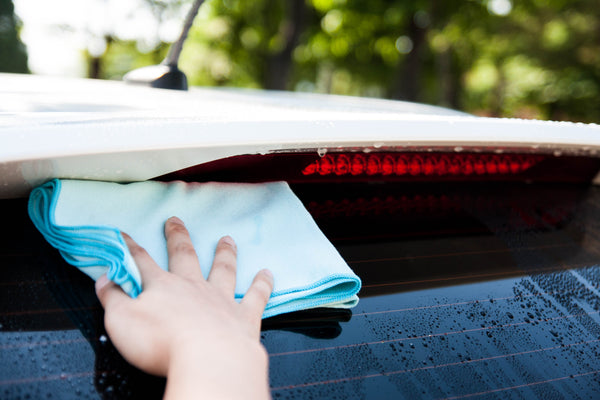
(214, 374)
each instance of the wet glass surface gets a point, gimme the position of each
(470, 291)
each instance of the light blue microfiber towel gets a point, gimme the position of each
(271, 227)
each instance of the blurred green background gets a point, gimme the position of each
(13, 56)
(525, 58)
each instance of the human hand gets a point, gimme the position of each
(189, 329)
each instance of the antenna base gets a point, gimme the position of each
(158, 76)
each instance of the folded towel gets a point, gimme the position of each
(272, 229)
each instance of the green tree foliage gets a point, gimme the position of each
(13, 55)
(526, 58)
(542, 61)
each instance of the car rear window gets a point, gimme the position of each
(470, 290)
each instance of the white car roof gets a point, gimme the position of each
(75, 128)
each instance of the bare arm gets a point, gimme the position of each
(189, 329)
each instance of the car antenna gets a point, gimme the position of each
(166, 75)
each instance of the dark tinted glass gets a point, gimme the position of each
(469, 291)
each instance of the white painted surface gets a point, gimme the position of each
(52, 127)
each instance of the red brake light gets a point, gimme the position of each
(403, 164)
(373, 166)
(407, 166)
(357, 166)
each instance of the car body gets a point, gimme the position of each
(476, 238)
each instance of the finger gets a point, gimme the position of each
(109, 293)
(222, 273)
(183, 260)
(149, 270)
(257, 296)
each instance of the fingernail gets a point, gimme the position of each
(176, 220)
(268, 273)
(229, 240)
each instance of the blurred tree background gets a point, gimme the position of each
(509, 58)
(13, 55)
